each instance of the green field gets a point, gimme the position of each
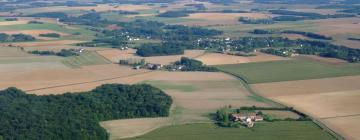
(289, 70)
(85, 59)
(262, 131)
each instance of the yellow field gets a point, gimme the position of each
(221, 18)
(331, 100)
(221, 59)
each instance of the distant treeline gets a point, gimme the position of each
(356, 39)
(54, 35)
(295, 16)
(247, 20)
(308, 34)
(62, 52)
(174, 14)
(76, 115)
(15, 38)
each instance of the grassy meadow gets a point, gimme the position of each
(288, 70)
(262, 131)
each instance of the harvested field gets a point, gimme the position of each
(338, 26)
(324, 60)
(34, 33)
(313, 86)
(98, 8)
(5, 23)
(115, 55)
(221, 18)
(221, 59)
(43, 75)
(349, 126)
(134, 127)
(44, 43)
(12, 52)
(330, 100)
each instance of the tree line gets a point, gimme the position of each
(62, 52)
(76, 115)
(15, 38)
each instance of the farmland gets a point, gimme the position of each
(102, 33)
(331, 100)
(289, 70)
(278, 130)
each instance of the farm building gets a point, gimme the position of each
(247, 119)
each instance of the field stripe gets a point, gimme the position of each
(344, 116)
(87, 82)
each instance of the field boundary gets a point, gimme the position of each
(251, 91)
(87, 82)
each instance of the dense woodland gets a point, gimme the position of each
(76, 115)
(152, 49)
(15, 38)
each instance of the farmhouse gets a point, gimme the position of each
(154, 66)
(247, 119)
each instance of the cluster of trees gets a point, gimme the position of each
(11, 19)
(247, 20)
(308, 34)
(35, 22)
(62, 52)
(355, 39)
(174, 14)
(194, 65)
(15, 38)
(261, 31)
(157, 49)
(223, 115)
(54, 35)
(295, 16)
(76, 115)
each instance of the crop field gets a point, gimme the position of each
(195, 95)
(268, 131)
(334, 101)
(98, 8)
(85, 59)
(222, 59)
(115, 55)
(222, 18)
(289, 70)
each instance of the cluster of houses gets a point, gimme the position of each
(248, 118)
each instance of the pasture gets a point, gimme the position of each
(268, 131)
(288, 70)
